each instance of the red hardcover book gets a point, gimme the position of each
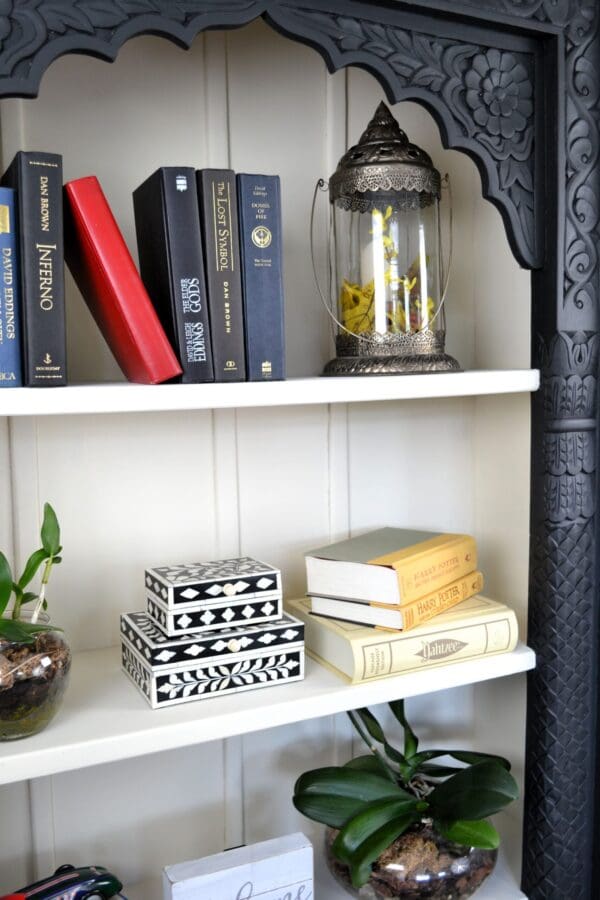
(101, 264)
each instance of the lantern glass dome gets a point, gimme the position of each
(387, 279)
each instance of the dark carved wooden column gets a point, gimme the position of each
(515, 84)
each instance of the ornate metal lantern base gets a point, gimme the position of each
(391, 354)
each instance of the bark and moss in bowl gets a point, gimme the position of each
(402, 826)
(35, 658)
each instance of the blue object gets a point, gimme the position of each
(10, 315)
(260, 239)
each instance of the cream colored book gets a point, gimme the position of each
(476, 627)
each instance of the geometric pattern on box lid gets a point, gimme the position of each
(160, 651)
(218, 579)
(214, 616)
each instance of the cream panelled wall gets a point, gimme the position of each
(136, 490)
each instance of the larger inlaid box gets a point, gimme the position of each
(191, 667)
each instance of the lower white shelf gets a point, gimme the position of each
(104, 717)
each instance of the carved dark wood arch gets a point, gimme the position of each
(537, 146)
(414, 55)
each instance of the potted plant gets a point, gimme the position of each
(402, 826)
(34, 656)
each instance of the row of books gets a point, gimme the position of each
(394, 600)
(207, 304)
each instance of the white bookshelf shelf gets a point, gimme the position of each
(105, 718)
(124, 397)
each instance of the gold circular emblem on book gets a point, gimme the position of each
(261, 236)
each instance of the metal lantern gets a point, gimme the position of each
(386, 276)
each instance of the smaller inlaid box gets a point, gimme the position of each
(191, 667)
(195, 619)
(199, 597)
(206, 582)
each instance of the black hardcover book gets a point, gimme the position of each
(260, 240)
(220, 234)
(37, 179)
(167, 222)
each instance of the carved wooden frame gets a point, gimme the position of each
(515, 84)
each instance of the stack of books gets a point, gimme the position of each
(211, 628)
(207, 304)
(394, 600)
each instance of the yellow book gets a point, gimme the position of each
(389, 565)
(406, 616)
(475, 627)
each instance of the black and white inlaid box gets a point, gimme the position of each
(210, 596)
(191, 667)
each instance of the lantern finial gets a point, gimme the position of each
(383, 127)
(384, 160)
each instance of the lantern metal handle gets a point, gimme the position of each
(324, 186)
(446, 183)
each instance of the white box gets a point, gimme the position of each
(281, 869)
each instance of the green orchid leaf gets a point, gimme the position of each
(369, 763)
(28, 596)
(411, 741)
(23, 632)
(473, 759)
(369, 820)
(327, 808)
(473, 793)
(6, 582)
(432, 770)
(466, 756)
(341, 781)
(31, 566)
(363, 858)
(477, 833)
(371, 724)
(50, 532)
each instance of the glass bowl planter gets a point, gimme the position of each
(33, 679)
(419, 864)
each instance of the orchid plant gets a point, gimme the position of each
(374, 799)
(13, 628)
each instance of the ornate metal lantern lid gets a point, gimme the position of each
(384, 161)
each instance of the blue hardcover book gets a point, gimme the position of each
(10, 329)
(260, 239)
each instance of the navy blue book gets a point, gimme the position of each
(10, 317)
(260, 239)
